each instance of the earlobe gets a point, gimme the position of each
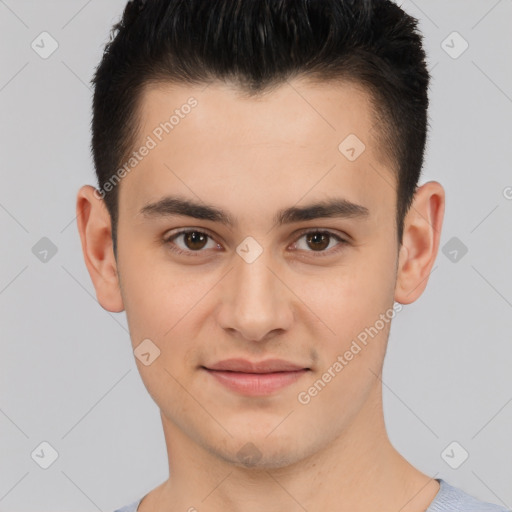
(422, 234)
(95, 230)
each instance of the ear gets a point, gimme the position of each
(94, 226)
(420, 243)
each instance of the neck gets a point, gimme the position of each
(359, 471)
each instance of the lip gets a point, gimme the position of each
(255, 378)
(266, 366)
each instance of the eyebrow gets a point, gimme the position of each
(333, 208)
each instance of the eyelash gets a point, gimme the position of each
(169, 240)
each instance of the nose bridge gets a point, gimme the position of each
(254, 300)
(255, 281)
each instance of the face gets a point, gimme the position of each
(261, 273)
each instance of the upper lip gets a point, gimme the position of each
(266, 366)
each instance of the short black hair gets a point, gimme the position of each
(258, 45)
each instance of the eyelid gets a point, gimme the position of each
(179, 231)
(331, 232)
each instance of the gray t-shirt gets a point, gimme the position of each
(448, 499)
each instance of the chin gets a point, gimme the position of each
(261, 453)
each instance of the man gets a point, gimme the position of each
(259, 219)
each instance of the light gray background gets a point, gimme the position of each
(67, 373)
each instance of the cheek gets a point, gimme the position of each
(166, 306)
(159, 307)
(355, 306)
(352, 296)
(155, 294)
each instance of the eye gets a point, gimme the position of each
(192, 241)
(320, 241)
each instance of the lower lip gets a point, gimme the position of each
(256, 384)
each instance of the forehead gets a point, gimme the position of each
(316, 112)
(295, 140)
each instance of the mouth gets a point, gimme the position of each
(255, 378)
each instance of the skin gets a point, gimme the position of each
(252, 157)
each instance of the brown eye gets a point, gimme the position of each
(318, 241)
(321, 242)
(195, 240)
(191, 242)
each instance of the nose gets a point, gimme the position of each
(256, 304)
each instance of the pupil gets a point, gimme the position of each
(321, 238)
(195, 240)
